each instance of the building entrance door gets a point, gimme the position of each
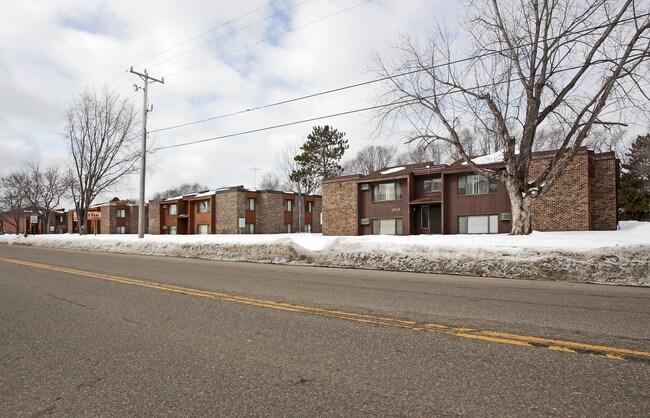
(430, 218)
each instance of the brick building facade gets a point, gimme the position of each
(236, 210)
(29, 221)
(450, 199)
(115, 217)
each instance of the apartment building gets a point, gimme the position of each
(451, 199)
(114, 217)
(30, 221)
(236, 210)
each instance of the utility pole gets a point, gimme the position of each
(143, 149)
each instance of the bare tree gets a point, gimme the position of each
(424, 151)
(184, 188)
(101, 130)
(43, 189)
(270, 181)
(533, 65)
(286, 164)
(12, 198)
(370, 159)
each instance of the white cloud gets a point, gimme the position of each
(52, 51)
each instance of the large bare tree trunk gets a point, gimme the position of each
(520, 211)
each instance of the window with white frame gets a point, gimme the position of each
(173, 209)
(250, 203)
(203, 206)
(476, 184)
(121, 230)
(478, 224)
(249, 229)
(387, 226)
(121, 213)
(386, 191)
(287, 228)
(309, 207)
(288, 205)
(171, 230)
(203, 229)
(431, 185)
(308, 228)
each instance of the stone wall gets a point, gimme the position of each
(340, 206)
(566, 206)
(270, 213)
(154, 218)
(229, 208)
(109, 219)
(603, 195)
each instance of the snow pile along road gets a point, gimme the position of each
(616, 257)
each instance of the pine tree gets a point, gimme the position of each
(634, 190)
(320, 157)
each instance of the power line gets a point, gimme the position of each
(377, 80)
(267, 38)
(230, 33)
(365, 109)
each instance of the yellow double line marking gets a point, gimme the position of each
(471, 333)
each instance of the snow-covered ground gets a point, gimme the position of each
(617, 257)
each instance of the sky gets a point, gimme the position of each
(216, 58)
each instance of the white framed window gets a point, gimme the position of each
(121, 230)
(250, 203)
(203, 229)
(431, 185)
(309, 207)
(173, 209)
(203, 206)
(121, 213)
(287, 228)
(249, 229)
(308, 228)
(387, 226)
(171, 230)
(480, 224)
(288, 205)
(476, 184)
(386, 191)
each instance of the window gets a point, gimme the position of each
(308, 228)
(476, 184)
(387, 191)
(483, 224)
(250, 204)
(424, 217)
(203, 229)
(203, 206)
(121, 213)
(249, 229)
(121, 230)
(309, 207)
(431, 185)
(287, 227)
(387, 226)
(288, 205)
(173, 209)
(171, 230)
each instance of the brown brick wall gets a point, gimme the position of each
(270, 213)
(340, 207)
(230, 206)
(566, 206)
(604, 212)
(132, 212)
(154, 218)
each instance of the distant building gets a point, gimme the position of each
(235, 210)
(451, 199)
(115, 217)
(30, 221)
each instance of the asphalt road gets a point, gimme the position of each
(103, 334)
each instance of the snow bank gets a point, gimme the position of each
(617, 257)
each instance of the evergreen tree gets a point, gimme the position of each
(320, 157)
(634, 190)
